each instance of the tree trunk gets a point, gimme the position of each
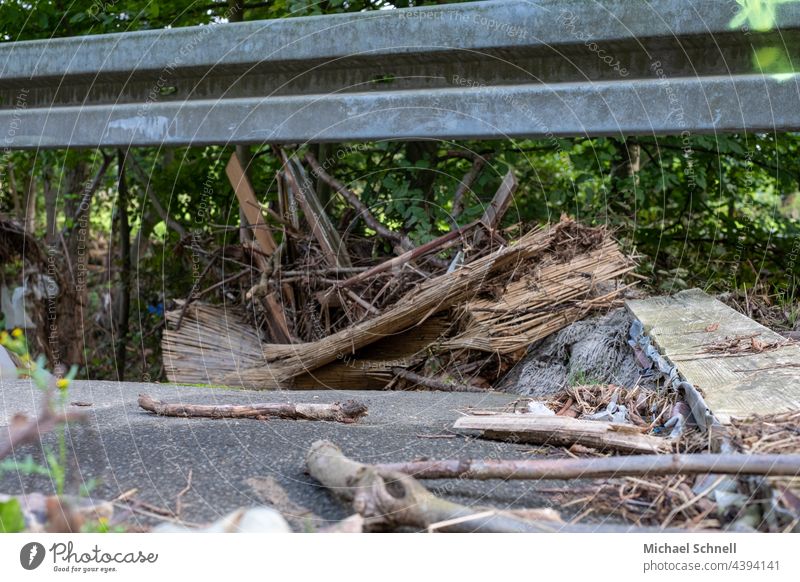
(124, 293)
(50, 199)
(30, 204)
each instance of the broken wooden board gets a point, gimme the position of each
(563, 431)
(246, 195)
(690, 329)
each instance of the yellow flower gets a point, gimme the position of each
(3, 337)
(62, 383)
(17, 333)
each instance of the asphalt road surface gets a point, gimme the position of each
(125, 447)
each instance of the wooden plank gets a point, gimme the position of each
(687, 325)
(249, 204)
(564, 431)
(326, 234)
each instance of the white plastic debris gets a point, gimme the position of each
(243, 520)
(537, 408)
(614, 412)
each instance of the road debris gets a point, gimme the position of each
(564, 431)
(409, 321)
(389, 499)
(347, 412)
(592, 468)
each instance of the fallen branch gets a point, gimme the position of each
(433, 383)
(391, 499)
(600, 467)
(437, 244)
(23, 430)
(564, 431)
(348, 411)
(363, 212)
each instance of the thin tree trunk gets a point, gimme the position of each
(124, 296)
(321, 152)
(12, 186)
(243, 153)
(30, 204)
(50, 199)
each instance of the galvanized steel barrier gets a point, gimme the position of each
(503, 69)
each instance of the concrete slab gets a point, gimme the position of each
(126, 447)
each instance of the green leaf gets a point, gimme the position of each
(25, 467)
(12, 520)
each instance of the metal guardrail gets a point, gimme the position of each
(500, 69)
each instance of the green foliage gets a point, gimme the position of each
(56, 468)
(101, 526)
(581, 378)
(27, 467)
(12, 520)
(719, 212)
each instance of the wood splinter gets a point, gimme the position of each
(347, 412)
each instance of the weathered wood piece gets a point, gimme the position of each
(759, 374)
(211, 337)
(374, 366)
(602, 467)
(277, 319)
(564, 431)
(246, 195)
(324, 232)
(465, 185)
(524, 311)
(494, 213)
(347, 412)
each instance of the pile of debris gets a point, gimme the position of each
(453, 314)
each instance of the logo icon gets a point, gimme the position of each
(31, 555)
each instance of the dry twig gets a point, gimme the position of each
(348, 411)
